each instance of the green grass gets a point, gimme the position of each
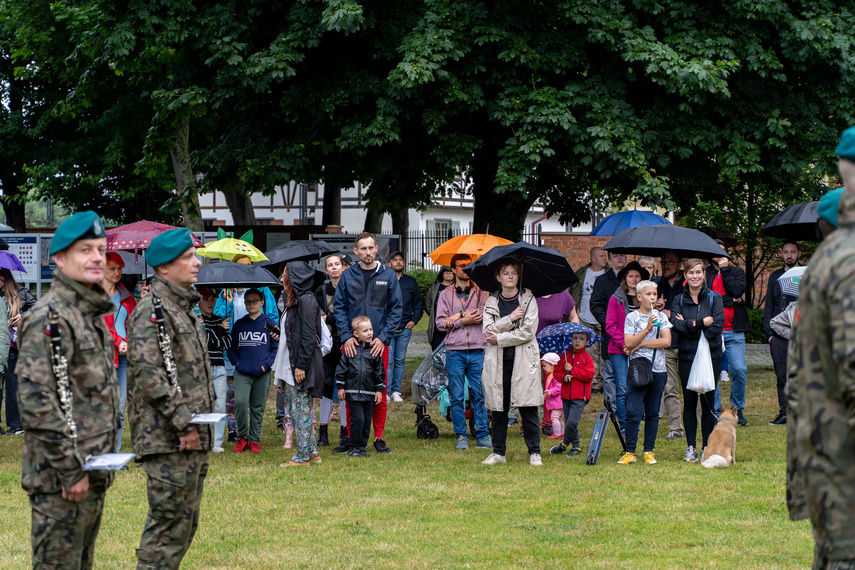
(429, 506)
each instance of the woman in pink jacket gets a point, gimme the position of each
(620, 305)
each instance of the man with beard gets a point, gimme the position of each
(669, 287)
(604, 287)
(776, 302)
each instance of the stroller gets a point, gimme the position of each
(429, 384)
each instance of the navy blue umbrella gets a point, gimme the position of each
(544, 271)
(616, 223)
(556, 338)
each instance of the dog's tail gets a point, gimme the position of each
(715, 461)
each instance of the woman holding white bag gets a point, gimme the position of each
(697, 311)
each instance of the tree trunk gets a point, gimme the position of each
(750, 255)
(184, 179)
(15, 211)
(332, 205)
(503, 214)
(373, 221)
(240, 204)
(401, 226)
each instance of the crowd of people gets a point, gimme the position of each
(171, 353)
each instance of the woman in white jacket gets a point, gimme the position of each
(511, 375)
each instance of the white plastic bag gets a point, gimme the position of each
(325, 338)
(701, 378)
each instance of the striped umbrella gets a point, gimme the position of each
(790, 280)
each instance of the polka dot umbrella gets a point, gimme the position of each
(137, 236)
(556, 338)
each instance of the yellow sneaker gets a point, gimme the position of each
(626, 459)
(648, 458)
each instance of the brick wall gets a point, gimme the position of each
(575, 247)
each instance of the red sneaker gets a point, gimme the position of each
(254, 447)
(241, 446)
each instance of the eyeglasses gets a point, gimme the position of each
(251, 301)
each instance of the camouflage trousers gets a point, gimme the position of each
(821, 561)
(64, 533)
(174, 487)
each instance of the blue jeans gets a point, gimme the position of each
(734, 343)
(644, 402)
(397, 354)
(221, 388)
(122, 377)
(619, 369)
(462, 365)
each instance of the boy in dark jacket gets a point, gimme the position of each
(360, 382)
(575, 391)
(252, 352)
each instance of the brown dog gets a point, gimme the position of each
(721, 447)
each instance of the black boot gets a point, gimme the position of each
(322, 436)
(741, 421)
(343, 442)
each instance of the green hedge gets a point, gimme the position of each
(755, 319)
(424, 278)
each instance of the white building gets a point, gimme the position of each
(285, 208)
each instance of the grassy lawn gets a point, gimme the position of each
(429, 506)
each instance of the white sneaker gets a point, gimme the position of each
(534, 459)
(396, 397)
(217, 449)
(494, 458)
(723, 377)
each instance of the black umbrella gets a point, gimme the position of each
(656, 240)
(299, 250)
(796, 222)
(544, 271)
(231, 274)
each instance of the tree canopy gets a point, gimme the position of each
(564, 102)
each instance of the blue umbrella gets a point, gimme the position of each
(11, 262)
(616, 223)
(556, 338)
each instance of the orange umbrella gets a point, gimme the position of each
(473, 245)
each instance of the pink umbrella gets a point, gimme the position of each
(137, 236)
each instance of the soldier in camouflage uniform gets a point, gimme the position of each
(173, 451)
(821, 388)
(67, 501)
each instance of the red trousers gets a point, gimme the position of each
(379, 416)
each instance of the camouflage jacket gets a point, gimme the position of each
(821, 393)
(49, 458)
(159, 414)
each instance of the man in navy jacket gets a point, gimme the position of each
(411, 313)
(369, 288)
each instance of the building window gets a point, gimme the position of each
(440, 230)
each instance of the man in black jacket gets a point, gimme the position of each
(776, 302)
(670, 286)
(604, 287)
(729, 281)
(411, 314)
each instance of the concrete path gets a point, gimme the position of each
(755, 354)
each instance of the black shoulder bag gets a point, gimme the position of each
(640, 370)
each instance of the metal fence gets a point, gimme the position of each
(421, 243)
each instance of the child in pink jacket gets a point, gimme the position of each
(552, 405)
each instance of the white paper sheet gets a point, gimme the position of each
(207, 418)
(108, 461)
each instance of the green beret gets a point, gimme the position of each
(846, 148)
(83, 225)
(828, 205)
(167, 246)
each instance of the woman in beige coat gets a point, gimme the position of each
(511, 374)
